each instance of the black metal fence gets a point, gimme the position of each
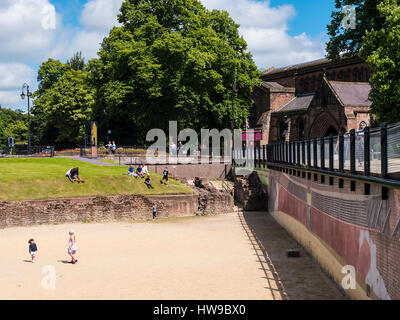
(368, 152)
(22, 151)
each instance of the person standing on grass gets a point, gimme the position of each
(154, 212)
(114, 147)
(72, 248)
(32, 249)
(165, 177)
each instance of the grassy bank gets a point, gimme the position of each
(34, 179)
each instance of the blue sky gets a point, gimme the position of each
(278, 33)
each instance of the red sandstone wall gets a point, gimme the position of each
(113, 208)
(360, 229)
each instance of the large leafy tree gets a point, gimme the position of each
(63, 103)
(50, 71)
(348, 41)
(171, 60)
(381, 50)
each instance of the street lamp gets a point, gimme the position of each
(29, 95)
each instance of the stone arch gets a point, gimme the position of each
(323, 123)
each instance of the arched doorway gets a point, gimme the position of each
(323, 125)
(331, 130)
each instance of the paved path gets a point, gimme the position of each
(234, 256)
(92, 161)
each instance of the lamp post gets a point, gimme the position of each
(29, 95)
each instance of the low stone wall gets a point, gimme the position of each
(215, 171)
(113, 208)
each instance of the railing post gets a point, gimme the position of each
(341, 152)
(352, 151)
(303, 148)
(331, 158)
(384, 151)
(367, 153)
(294, 153)
(259, 156)
(322, 148)
(298, 153)
(264, 156)
(290, 152)
(315, 147)
(309, 153)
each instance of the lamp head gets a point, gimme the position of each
(22, 96)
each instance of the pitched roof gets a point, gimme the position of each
(352, 93)
(298, 103)
(296, 66)
(271, 84)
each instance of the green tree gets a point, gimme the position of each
(349, 42)
(77, 62)
(380, 50)
(48, 74)
(13, 124)
(66, 108)
(171, 60)
(18, 130)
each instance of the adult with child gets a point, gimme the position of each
(73, 175)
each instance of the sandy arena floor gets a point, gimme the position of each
(235, 256)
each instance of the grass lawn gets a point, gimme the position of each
(34, 179)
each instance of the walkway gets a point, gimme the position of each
(92, 161)
(234, 256)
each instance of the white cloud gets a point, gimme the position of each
(25, 40)
(22, 34)
(12, 77)
(100, 14)
(265, 30)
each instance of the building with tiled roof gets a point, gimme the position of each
(311, 99)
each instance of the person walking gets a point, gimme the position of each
(154, 212)
(32, 249)
(72, 248)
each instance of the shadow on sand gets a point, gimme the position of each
(286, 278)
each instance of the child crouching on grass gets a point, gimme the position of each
(148, 183)
(32, 249)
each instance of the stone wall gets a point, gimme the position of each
(250, 193)
(113, 208)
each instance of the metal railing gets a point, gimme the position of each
(373, 153)
(22, 151)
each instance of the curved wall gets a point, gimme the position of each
(340, 227)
